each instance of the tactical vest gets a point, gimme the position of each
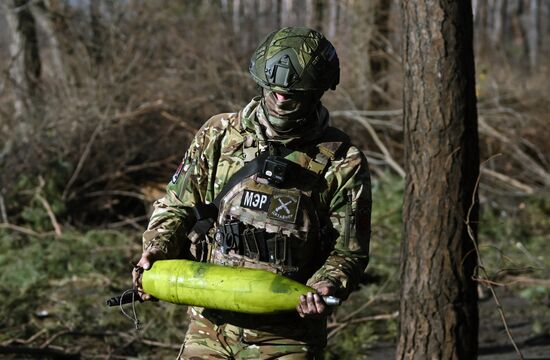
(269, 217)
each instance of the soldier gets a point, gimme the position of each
(270, 187)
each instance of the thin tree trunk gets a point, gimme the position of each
(277, 13)
(96, 46)
(25, 66)
(439, 315)
(311, 13)
(288, 13)
(378, 61)
(332, 19)
(41, 13)
(499, 20)
(533, 33)
(236, 16)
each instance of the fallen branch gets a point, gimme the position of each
(528, 281)
(24, 341)
(3, 211)
(128, 221)
(387, 156)
(46, 205)
(379, 317)
(141, 110)
(508, 180)
(51, 339)
(179, 121)
(116, 193)
(23, 230)
(516, 152)
(159, 344)
(39, 353)
(127, 170)
(481, 267)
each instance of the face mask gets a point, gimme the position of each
(289, 112)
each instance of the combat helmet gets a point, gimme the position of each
(295, 59)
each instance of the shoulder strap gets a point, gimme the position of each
(331, 145)
(206, 214)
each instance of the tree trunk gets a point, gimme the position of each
(332, 19)
(25, 66)
(439, 315)
(310, 14)
(533, 34)
(42, 15)
(96, 46)
(499, 21)
(288, 13)
(378, 59)
(236, 16)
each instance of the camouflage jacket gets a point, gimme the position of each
(219, 149)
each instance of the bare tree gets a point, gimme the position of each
(96, 44)
(378, 59)
(41, 13)
(288, 13)
(498, 23)
(533, 32)
(236, 16)
(439, 315)
(332, 19)
(25, 68)
(310, 13)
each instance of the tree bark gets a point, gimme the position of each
(25, 69)
(439, 315)
(41, 13)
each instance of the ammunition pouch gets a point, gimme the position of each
(256, 244)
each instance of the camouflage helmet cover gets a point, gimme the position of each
(295, 59)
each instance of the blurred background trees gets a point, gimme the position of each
(93, 87)
(99, 98)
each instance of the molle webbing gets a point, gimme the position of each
(329, 146)
(206, 213)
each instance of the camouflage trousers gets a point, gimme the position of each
(207, 340)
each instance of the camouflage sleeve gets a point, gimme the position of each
(350, 213)
(172, 216)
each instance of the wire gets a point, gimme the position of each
(133, 316)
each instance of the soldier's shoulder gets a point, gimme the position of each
(340, 143)
(221, 122)
(347, 156)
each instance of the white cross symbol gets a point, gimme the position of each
(283, 206)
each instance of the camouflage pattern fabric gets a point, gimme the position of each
(207, 340)
(295, 59)
(219, 149)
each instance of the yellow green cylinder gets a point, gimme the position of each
(213, 286)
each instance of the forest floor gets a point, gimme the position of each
(53, 290)
(523, 322)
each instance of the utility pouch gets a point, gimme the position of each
(254, 244)
(278, 249)
(228, 236)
